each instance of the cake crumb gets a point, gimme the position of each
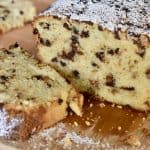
(113, 105)
(146, 131)
(119, 128)
(99, 130)
(71, 113)
(91, 113)
(143, 118)
(91, 105)
(102, 105)
(119, 106)
(87, 123)
(133, 141)
(99, 117)
(75, 123)
(67, 141)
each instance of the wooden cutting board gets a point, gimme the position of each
(103, 125)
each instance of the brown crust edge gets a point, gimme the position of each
(34, 118)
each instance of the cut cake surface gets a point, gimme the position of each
(33, 96)
(102, 47)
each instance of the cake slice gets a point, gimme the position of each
(14, 13)
(101, 47)
(33, 96)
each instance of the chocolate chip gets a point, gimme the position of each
(21, 12)
(12, 1)
(66, 25)
(60, 101)
(94, 64)
(111, 52)
(62, 63)
(74, 40)
(117, 50)
(4, 78)
(16, 45)
(45, 42)
(3, 18)
(54, 59)
(75, 73)
(110, 81)
(45, 79)
(49, 85)
(75, 30)
(70, 55)
(13, 70)
(84, 34)
(67, 81)
(130, 88)
(141, 53)
(38, 77)
(74, 49)
(19, 95)
(100, 56)
(35, 31)
(8, 52)
(148, 104)
(6, 11)
(100, 28)
(48, 43)
(56, 17)
(147, 73)
(80, 52)
(45, 25)
(116, 34)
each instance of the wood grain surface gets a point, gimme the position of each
(111, 126)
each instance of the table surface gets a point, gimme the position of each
(105, 124)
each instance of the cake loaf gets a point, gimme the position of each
(14, 13)
(101, 47)
(33, 96)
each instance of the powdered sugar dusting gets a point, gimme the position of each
(130, 15)
(81, 140)
(60, 130)
(6, 124)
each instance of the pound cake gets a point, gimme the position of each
(33, 96)
(14, 13)
(101, 47)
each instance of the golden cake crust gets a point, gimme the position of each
(33, 119)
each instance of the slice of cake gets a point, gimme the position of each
(14, 13)
(102, 47)
(33, 96)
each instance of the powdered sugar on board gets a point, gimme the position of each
(61, 137)
(132, 16)
(7, 125)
